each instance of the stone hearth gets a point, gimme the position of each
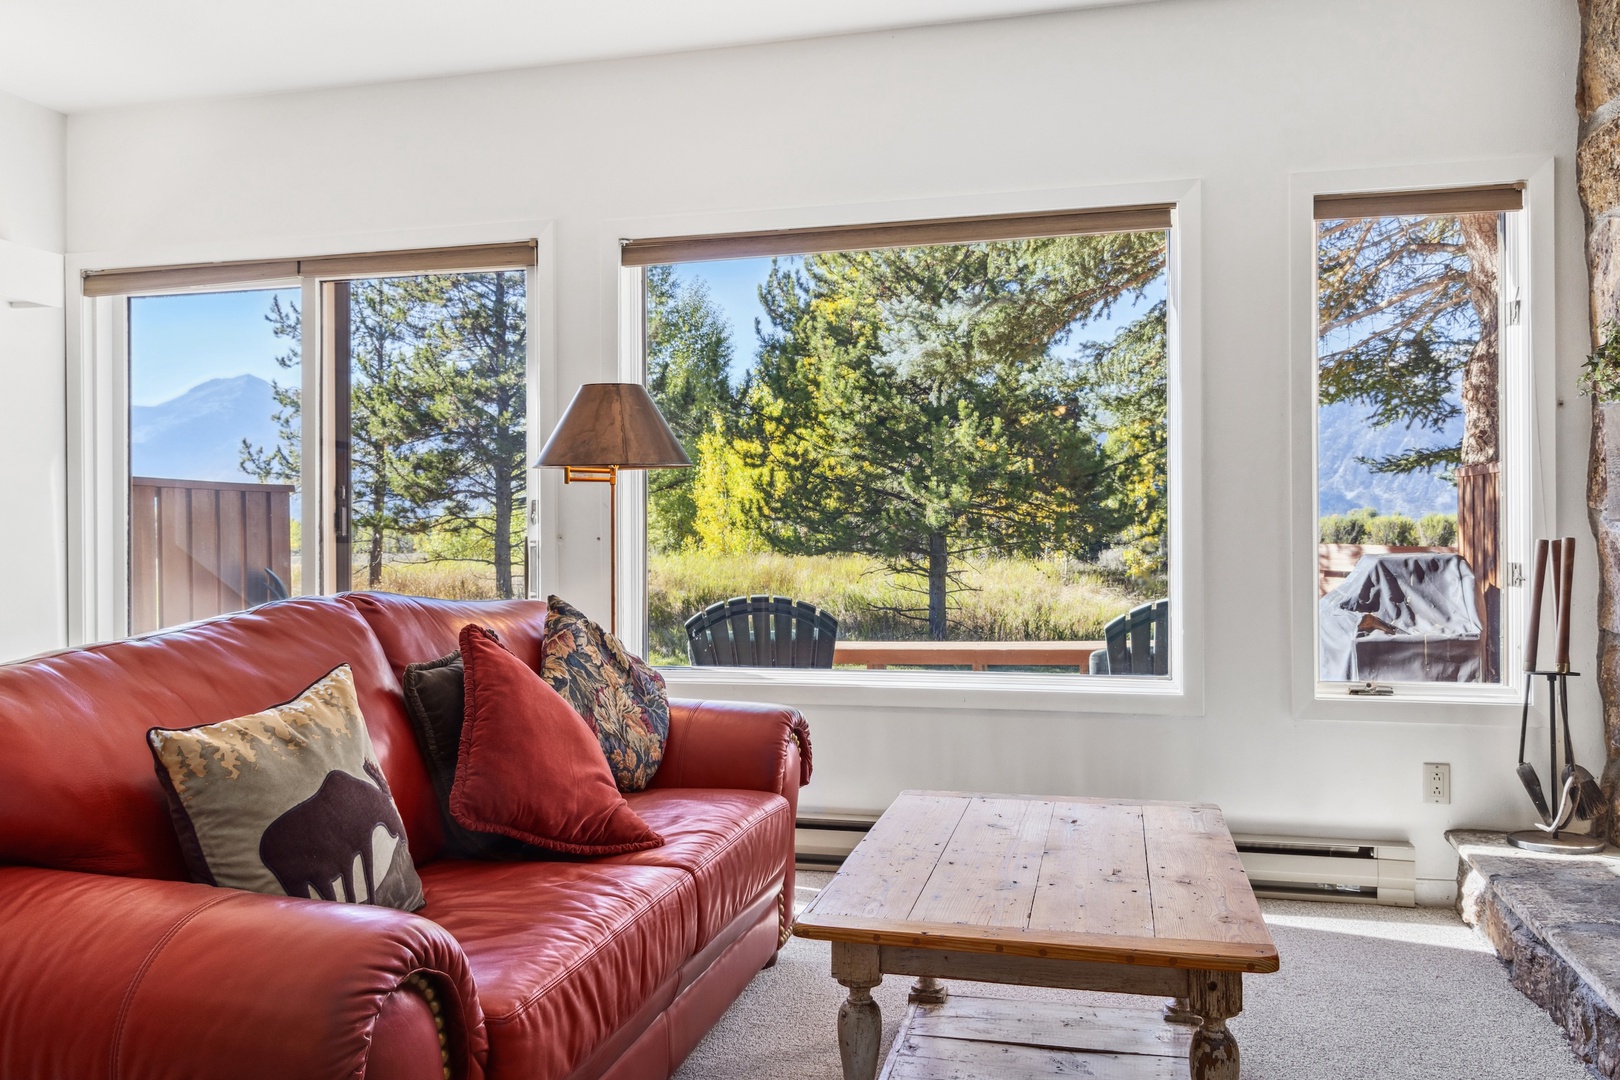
(1555, 922)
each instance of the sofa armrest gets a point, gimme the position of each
(135, 978)
(735, 744)
(741, 745)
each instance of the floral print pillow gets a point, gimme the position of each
(620, 697)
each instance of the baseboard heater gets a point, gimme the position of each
(1279, 867)
(1312, 868)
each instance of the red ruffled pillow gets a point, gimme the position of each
(530, 767)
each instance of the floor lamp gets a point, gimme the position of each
(608, 427)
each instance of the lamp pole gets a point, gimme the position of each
(609, 475)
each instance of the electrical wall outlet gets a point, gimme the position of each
(1436, 782)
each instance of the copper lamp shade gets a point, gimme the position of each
(613, 424)
(608, 427)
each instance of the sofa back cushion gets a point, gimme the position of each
(414, 630)
(79, 790)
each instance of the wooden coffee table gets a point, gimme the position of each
(1084, 894)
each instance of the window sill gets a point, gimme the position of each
(978, 691)
(1437, 703)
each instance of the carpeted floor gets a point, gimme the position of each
(1385, 993)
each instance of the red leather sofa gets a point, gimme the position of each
(113, 964)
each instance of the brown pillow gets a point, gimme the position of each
(529, 768)
(619, 695)
(289, 801)
(435, 701)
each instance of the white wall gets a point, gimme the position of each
(1237, 94)
(33, 540)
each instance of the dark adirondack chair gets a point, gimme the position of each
(1138, 642)
(761, 631)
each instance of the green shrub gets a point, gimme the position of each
(1348, 528)
(1437, 530)
(1392, 530)
(1342, 529)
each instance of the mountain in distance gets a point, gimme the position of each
(198, 434)
(1345, 484)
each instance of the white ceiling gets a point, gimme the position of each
(84, 54)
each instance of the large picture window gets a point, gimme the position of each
(1417, 310)
(950, 439)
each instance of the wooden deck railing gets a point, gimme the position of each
(198, 548)
(978, 655)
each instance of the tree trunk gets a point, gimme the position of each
(374, 563)
(1479, 398)
(1598, 178)
(503, 542)
(503, 480)
(938, 566)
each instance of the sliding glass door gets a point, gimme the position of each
(392, 457)
(430, 435)
(215, 454)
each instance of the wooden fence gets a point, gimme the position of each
(1479, 529)
(198, 548)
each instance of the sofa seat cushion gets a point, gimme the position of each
(563, 953)
(731, 842)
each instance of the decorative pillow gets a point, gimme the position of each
(289, 800)
(621, 697)
(528, 766)
(436, 703)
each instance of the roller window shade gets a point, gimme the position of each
(674, 249)
(1494, 199)
(481, 257)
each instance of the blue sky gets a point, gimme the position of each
(734, 287)
(176, 342)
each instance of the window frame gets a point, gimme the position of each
(1527, 434)
(98, 395)
(1179, 694)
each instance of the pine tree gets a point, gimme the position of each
(470, 364)
(689, 355)
(1407, 318)
(387, 425)
(283, 462)
(915, 405)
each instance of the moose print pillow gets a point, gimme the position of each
(289, 800)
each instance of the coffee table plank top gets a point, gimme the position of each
(1103, 885)
(1002, 837)
(1068, 879)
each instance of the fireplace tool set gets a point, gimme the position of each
(1577, 796)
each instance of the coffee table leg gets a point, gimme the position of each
(1216, 996)
(927, 991)
(860, 1021)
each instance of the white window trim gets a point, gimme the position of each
(1181, 694)
(98, 402)
(1527, 438)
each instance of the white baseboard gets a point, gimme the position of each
(1436, 892)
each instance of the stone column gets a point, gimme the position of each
(1597, 160)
